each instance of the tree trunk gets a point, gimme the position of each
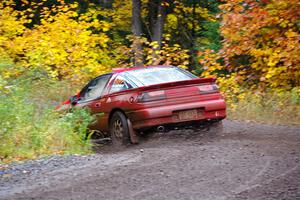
(158, 26)
(137, 32)
(157, 12)
(193, 51)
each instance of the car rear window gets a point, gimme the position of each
(157, 75)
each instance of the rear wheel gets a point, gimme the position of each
(119, 131)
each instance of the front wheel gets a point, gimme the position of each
(118, 128)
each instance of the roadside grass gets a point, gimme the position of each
(270, 107)
(29, 126)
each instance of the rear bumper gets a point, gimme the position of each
(155, 116)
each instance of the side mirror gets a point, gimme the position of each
(74, 100)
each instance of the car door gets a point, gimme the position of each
(111, 100)
(91, 97)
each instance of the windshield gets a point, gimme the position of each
(157, 75)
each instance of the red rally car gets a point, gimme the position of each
(133, 100)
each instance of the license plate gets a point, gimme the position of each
(188, 115)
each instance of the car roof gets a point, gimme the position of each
(120, 70)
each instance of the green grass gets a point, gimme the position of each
(29, 126)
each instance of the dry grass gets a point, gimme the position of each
(270, 107)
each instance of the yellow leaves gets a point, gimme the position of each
(65, 9)
(183, 15)
(275, 71)
(25, 1)
(103, 25)
(291, 33)
(74, 5)
(166, 4)
(168, 55)
(208, 60)
(10, 25)
(61, 45)
(273, 59)
(284, 23)
(272, 63)
(167, 37)
(257, 52)
(262, 42)
(172, 21)
(238, 8)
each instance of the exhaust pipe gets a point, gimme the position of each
(160, 128)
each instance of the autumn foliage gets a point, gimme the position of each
(261, 44)
(63, 44)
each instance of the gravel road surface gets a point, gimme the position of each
(247, 161)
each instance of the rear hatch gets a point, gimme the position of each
(184, 100)
(201, 89)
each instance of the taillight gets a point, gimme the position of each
(209, 88)
(151, 96)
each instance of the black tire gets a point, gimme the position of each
(118, 128)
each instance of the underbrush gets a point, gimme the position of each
(29, 126)
(271, 106)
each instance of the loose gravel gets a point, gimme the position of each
(247, 161)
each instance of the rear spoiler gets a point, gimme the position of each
(178, 83)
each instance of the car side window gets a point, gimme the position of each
(120, 84)
(95, 88)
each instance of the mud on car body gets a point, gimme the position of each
(133, 100)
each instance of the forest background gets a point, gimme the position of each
(50, 48)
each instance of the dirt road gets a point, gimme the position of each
(247, 161)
